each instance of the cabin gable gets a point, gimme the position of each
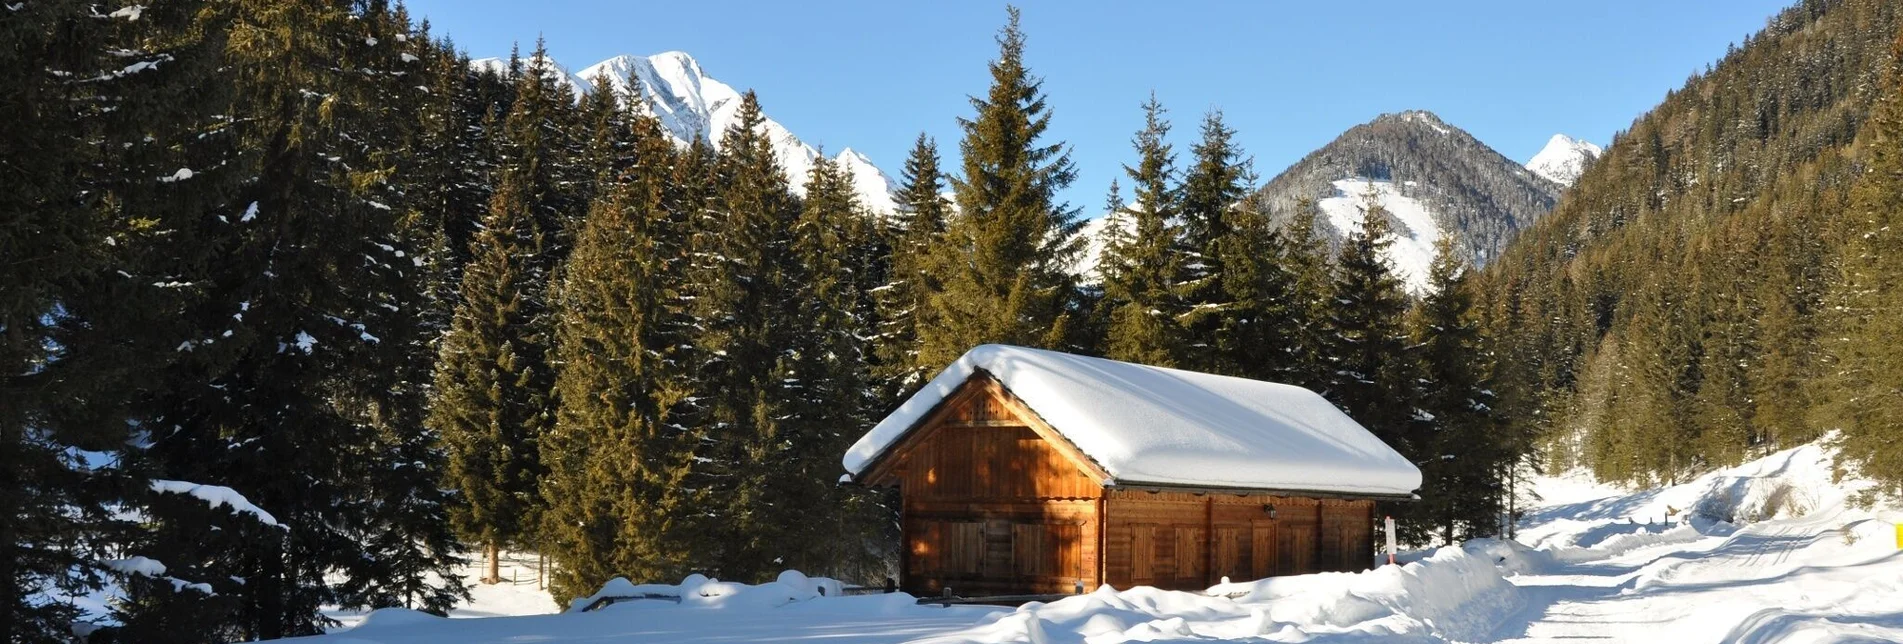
(990, 503)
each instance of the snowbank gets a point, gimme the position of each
(1457, 593)
(698, 591)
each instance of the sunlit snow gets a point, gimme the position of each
(1412, 253)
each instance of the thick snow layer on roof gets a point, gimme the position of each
(1146, 424)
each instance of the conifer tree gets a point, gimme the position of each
(1467, 453)
(1258, 319)
(73, 96)
(828, 389)
(1866, 399)
(1007, 249)
(738, 285)
(615, 503)
(1214, 186)
(917, 233)
(492, 386)
(1370, 373)
(1307, 259)
(290, 387)
(1143, 278)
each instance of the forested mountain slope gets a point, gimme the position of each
(1700, 294)
(1417, 162)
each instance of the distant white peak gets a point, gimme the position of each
(872, 185)
(850, 155)
(693, 106)
(1563, 159)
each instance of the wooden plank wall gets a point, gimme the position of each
(992, 508)
(1185, 541)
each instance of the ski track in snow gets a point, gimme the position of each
(1800, 565)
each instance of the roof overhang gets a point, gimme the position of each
(1139, 486)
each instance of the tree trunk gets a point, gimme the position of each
(495, 563)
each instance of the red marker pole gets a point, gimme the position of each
(1390, 526)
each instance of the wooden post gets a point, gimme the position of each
(1209, 540)
(1390, 527)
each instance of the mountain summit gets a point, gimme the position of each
(1434, 180)
(1564, 158)
(692, 105)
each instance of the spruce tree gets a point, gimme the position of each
(290, 387)
(1256, 323)
(917, 233)
(738, 283)
(1144, 277)
(828, 389)
(1370, 371)
(1214, 187)
(1866, 361)
(1467, 453)
(613, 488)
(494, 396)
(492, 386)
(1007, 250)
(72, 142)
(1307, 259)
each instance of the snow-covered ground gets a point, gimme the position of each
(1412, 253)
(518, 594)
(1771, 551)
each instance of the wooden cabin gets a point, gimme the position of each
(1027, 471)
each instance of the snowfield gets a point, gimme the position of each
(1412, 251)
(1770, 551)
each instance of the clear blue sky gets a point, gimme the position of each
(1290, 76)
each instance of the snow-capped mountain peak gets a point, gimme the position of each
(692, 105)
(1563, 159)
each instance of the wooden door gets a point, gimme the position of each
(1143, 554)
(1233, 546)
(1295, 550)
(1192, 558)
(1262, 549)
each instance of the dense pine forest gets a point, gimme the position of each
(300, 310)
(1722, 283)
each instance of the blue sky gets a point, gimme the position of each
(1290, 76)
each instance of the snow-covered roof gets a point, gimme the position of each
(1151, 425)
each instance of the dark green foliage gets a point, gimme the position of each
(1867, 359)
(822, 526)
(613, 495)
(294, 326)
(740, 284)
(916, 233)
(1144, 275)
(1368, 362)
(1003, 277)
(1467, 453)
(57, 146)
